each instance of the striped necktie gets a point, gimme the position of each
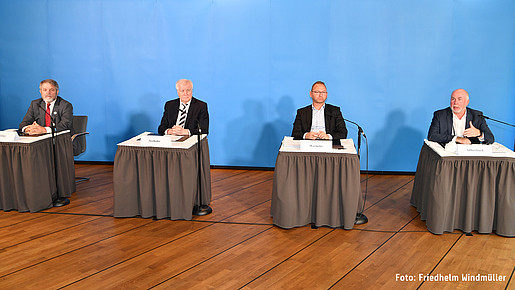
(182, 118)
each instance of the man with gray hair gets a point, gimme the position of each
(184, 115)
(49, 108)
(459, 124)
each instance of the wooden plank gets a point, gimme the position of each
(45, 225)
(31, 254)
(405, 254)
(8, 218)
(221, 174)
(258, 214)
(478, 254)
(154, 266)
(107, 245)
(379, 186)
(299, 258)
(235, 184)
(392, 212)
(233, 204)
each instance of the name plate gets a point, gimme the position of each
(6, 136)
(474, 150)
(156, 141)
(316, 145)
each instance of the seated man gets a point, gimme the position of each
(182, 116)
(459, 123)
(50, 108)
(319, 120)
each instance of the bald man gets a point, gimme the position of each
(459, 123)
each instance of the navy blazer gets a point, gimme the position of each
(62, 114)
(197, 112)
(441, 130)
(334, 123)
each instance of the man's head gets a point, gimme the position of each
(459, 101)
(49, 90)
(184, 90)
(318, 93)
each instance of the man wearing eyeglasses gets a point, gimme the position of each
(184, 115)
(319, 120)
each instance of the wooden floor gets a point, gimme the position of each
(81, 246)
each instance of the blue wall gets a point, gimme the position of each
(387, 64)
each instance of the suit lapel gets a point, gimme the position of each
(327, 117)
(309, 117)
(449, 122)
(41, 110)
(469, 118)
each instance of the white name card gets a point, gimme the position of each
(316, 145)
(6, 136)
(474, 150)
(156, 141)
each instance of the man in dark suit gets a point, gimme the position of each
(319, 120)
(183, 115)
(50, 108)
(459, 123)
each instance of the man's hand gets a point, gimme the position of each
(35, 129)
(312, 135)
(463, 140)
(323, 135)
(178, 130)
(472, 131)
(317, 135)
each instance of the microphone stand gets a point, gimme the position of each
(200, 209)
(57, 201)
(497, 121)
(361, 218)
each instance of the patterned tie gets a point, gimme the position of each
(182, 117)
(47, 116)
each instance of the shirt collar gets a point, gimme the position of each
(315, 109)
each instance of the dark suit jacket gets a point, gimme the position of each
(197, 112)
(334, 123)
(441, 126)
(62, 114)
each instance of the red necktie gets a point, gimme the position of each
(47, 115)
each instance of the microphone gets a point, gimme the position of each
(488, 118)
(52, 121)
(360, 130)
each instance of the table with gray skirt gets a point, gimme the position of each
(27, 178)
(321, 189)
(160, 182)
(466, 193)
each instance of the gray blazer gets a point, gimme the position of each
(62, 114)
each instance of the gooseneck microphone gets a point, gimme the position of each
(52, 120)
(58, 201)
(488, 118)
(360, 217)
(200, 209)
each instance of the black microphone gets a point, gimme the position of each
(52, 120)
(360, 130)
(488, 118)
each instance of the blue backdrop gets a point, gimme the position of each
(387, 64)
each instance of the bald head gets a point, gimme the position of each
(459, 102)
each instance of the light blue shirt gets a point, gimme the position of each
(318, 119)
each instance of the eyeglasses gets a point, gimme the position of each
(320, 92)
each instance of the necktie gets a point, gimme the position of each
(47, 116)
(182, 118)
